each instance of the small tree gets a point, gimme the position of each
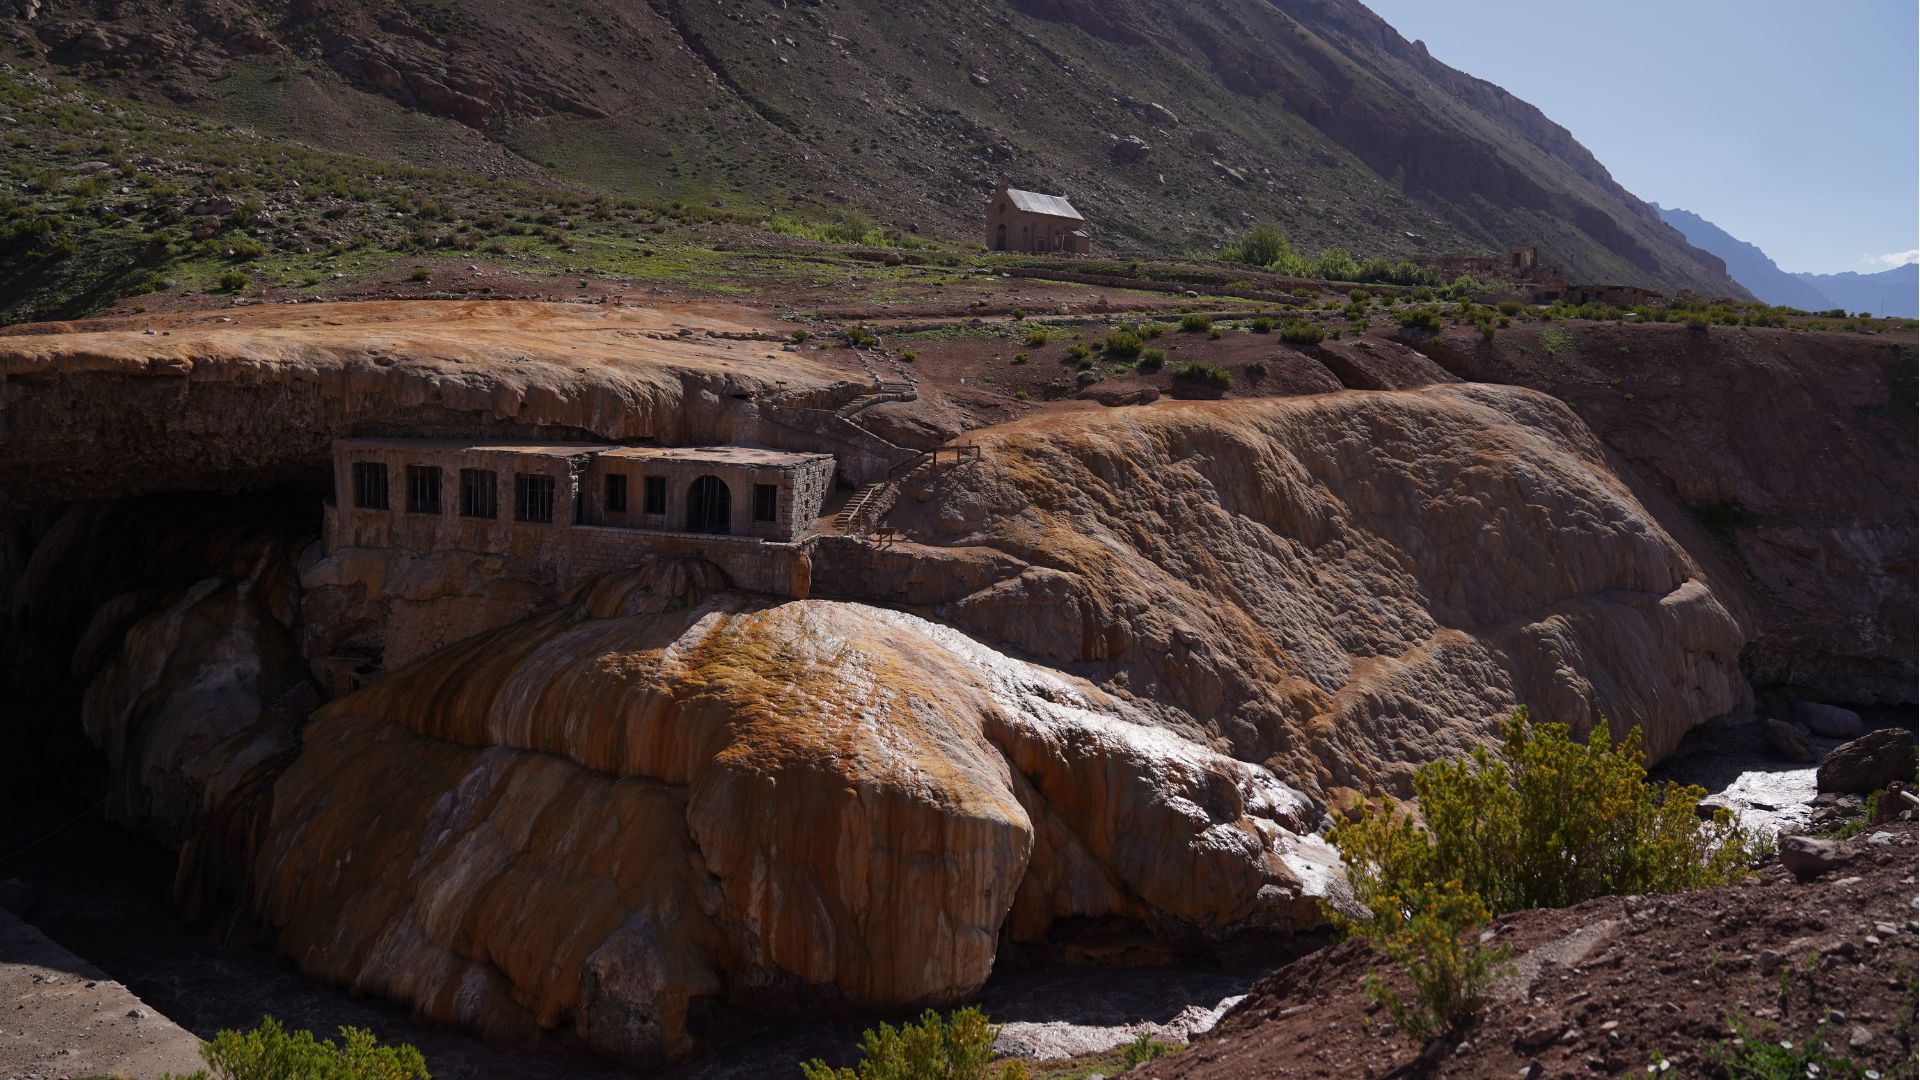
(1422, 932)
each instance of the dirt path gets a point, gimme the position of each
(61, 1016)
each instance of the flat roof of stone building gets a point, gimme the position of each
(714, 455)
(468, 446)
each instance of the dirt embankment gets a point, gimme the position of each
(1612, 986)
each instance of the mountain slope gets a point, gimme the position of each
(1889, 292)
(1172, 125)
(1748, 264)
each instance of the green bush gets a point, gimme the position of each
(1359, 296)
(1204, 374)
(1078, 352)
(1421, 318)
(1153, 359)
(1123, 343)
(1302, 332)
(1020, 358)
(1145, 1048)
(1152, 329)
(233, 281)
(858, 337)
(1194, 322)
(1261, 325)
(419, 274)
(956, 1047)
(271, 1052)
(1511, 308)
(1037, 338)
(1554, 823)
(1263, 245)
(1421, 931)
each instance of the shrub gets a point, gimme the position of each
(419, 274)
(233, 281)
(1145, 1048)
(797, 336)
(1421, 318)
(1554, 340)
(1152, 329)
(1555, 823)
(1302, 332)
(1077, 351)
(1037, 338)
(1261, 325)
(1204, 374)
(859, 338)
(1511, 308)
(1123, 343)
(1421, 932)
(1020, 358)
(1194, 322)
(1019, 313)
(271, 1052)
(1153, 359)
(1263, 245)
(1359, 296)
(955, 1047)
(1213, 333)
(908, 356)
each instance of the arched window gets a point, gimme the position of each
(709, 506)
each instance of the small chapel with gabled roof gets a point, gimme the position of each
(1029, 221)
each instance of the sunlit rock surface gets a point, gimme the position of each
(660, 794)
(1340, 585)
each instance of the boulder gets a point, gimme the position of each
(1788, 742)
(1808, 857)
(1829, 721)
(1869, 762)
(1130, 149)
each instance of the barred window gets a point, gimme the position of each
(479, 493)
(370, 485)
(533, 497)
(616, 494)
(656, 495)
(423, 489)
(766, 499)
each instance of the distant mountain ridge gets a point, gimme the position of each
(1889, 292)
(1172, 125)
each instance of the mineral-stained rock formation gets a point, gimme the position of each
(254, 400)
(650, 797)
(1338, 585)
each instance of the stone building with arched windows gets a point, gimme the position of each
(1029, 221)
(570, 511)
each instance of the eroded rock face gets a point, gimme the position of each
(656, 795)
(1342, 585)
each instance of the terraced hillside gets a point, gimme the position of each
(1172, 125)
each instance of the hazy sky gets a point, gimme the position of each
(1789, 123)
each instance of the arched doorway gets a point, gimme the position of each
(709, 506)
(1000, 237)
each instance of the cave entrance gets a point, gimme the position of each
(709, 506)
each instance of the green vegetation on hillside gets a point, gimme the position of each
(1549, 823)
